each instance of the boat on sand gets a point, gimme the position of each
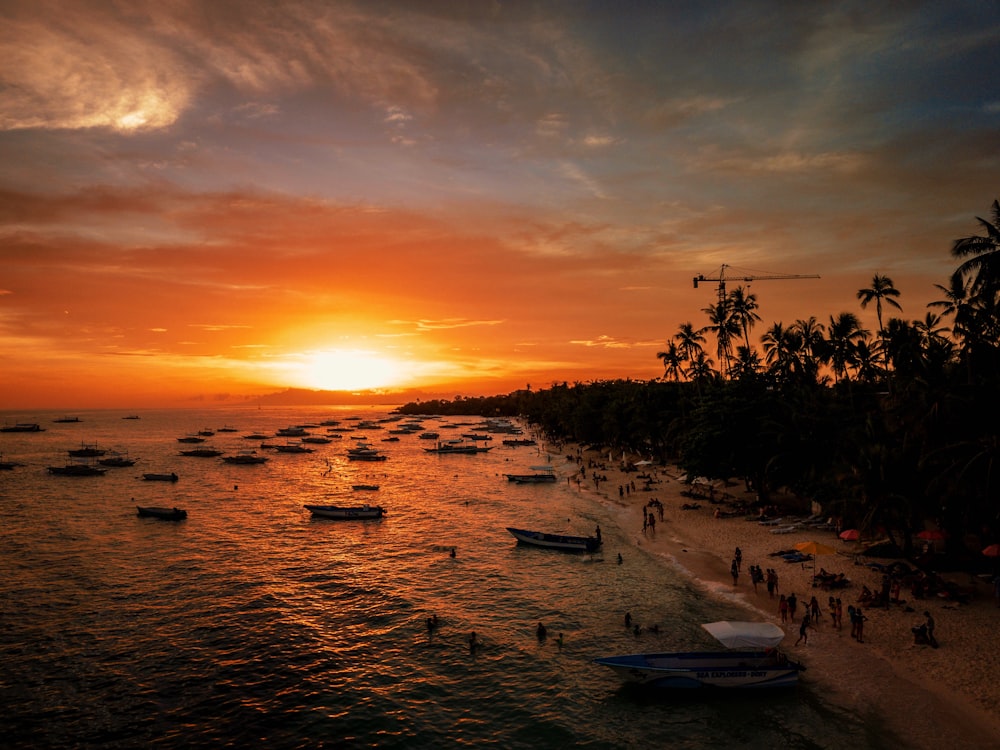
(757, 664)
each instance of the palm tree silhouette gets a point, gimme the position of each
(881, 289)
(981, 254)
(673, 361)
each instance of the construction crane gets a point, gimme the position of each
(748, 276)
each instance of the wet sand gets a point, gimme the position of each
(931, 698)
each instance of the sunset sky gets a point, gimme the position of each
(211, 199)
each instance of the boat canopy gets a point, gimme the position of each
(542, 468)
(745, 634)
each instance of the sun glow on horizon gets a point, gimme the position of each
(347, 370)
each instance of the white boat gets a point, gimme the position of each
(344, 513)
(758, 665)
(540, 475)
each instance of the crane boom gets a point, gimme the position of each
(749, 276)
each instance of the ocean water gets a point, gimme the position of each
(251, 624)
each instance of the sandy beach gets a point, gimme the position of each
(931, 697)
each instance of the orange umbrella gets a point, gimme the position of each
(992, 551)
(851, 535)
(814, 549)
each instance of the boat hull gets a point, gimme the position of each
(342, 513)
(531, 478)
(556, 541)
(164, 514)
(74, 470)
(706, 669)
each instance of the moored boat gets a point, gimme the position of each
(202, 452)
(77, 470)
(292, 448)
(758, 665)
(344, 513)
(166, 514)
(540, 475)
(371, 487)
(245, 457)
(154, 477)
(457, 446)
(562, 542)
(22, 427)
(117, 459)
(86, 451)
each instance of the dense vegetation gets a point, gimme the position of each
(889, 429)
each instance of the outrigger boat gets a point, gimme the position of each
(556, 541)
(343, 513)
(541, 475)
(457, 446)
(762, 667)
(77, 470)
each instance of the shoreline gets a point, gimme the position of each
(928, 697)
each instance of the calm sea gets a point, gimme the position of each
(250, 624)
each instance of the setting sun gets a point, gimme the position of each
(347, 370)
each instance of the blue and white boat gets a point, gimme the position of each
(758, 663)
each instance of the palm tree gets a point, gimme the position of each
(812, 335)
(673, 362)
(981, 254)
(689, 341)
(881, 289)
(843, 335)
(781, 348)
(701, 367)
(743, 306)
(725, 327)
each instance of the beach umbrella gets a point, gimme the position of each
(992, 551)
(851, 535)
(815, 549)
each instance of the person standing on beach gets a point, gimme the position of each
(860, 630)
(783, 608)
(840, 614)
(854, 621)
(793, 604)
(804, 629)
(814, 612)
(930, 630)
(734, 569)
(738, 557)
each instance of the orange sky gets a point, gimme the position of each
(216, 200)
